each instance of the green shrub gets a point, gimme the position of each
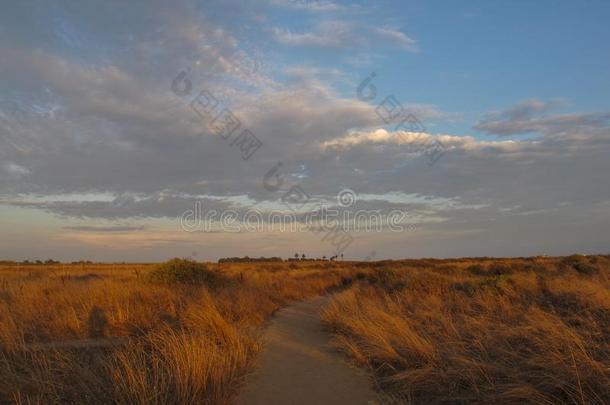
(182, 271)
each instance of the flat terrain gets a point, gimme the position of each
(298, 366)
(458, 331)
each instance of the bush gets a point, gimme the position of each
(389, 279)
(477, 270)
(578, 263)
(498, 269)
(537, 268)
(466, 287)
(494, 269)
(346, 281)
(182, 271)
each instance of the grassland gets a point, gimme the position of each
(430, 331)
(178, 343)
(481, 331)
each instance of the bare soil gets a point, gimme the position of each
(298, 365)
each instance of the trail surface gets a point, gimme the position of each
(298, 366)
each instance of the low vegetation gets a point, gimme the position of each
(183, 271)
(481, 331)
(181, 332)
(531, 330)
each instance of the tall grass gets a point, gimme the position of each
(521, 331)
(182, 341)
(430, 331)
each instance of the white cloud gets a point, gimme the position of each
(320, 6)
(11, 169)
(100, 135)
(330, 34)
(415, 139)
(395, 36)
(342, 34)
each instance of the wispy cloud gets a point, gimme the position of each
(105, 229)
(341, 34)
(320, 6)
(89, 111)
(414, 139)
(329, 34)
(392, 35)
(532, 116)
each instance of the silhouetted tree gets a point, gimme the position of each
(249, 259)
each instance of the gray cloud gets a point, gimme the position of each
(314, 6)
(124, 206)
(528, 117)
(104, 120)
(105, 229)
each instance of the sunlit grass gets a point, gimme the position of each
(183, 342)
(430, 331)
(510, 331)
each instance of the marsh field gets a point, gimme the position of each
(523, 330)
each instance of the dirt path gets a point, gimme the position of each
(299, 367)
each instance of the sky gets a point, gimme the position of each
(125, 125)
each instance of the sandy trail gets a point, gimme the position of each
(298, 366)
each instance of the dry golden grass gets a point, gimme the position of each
(182, 344)
(482, 331)
(431, 331)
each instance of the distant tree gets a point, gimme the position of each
(341, 256)
(303, 256)
(323, 257)
(296, 255)
(248, 259)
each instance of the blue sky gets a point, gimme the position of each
(100, 157)
(478, 56)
